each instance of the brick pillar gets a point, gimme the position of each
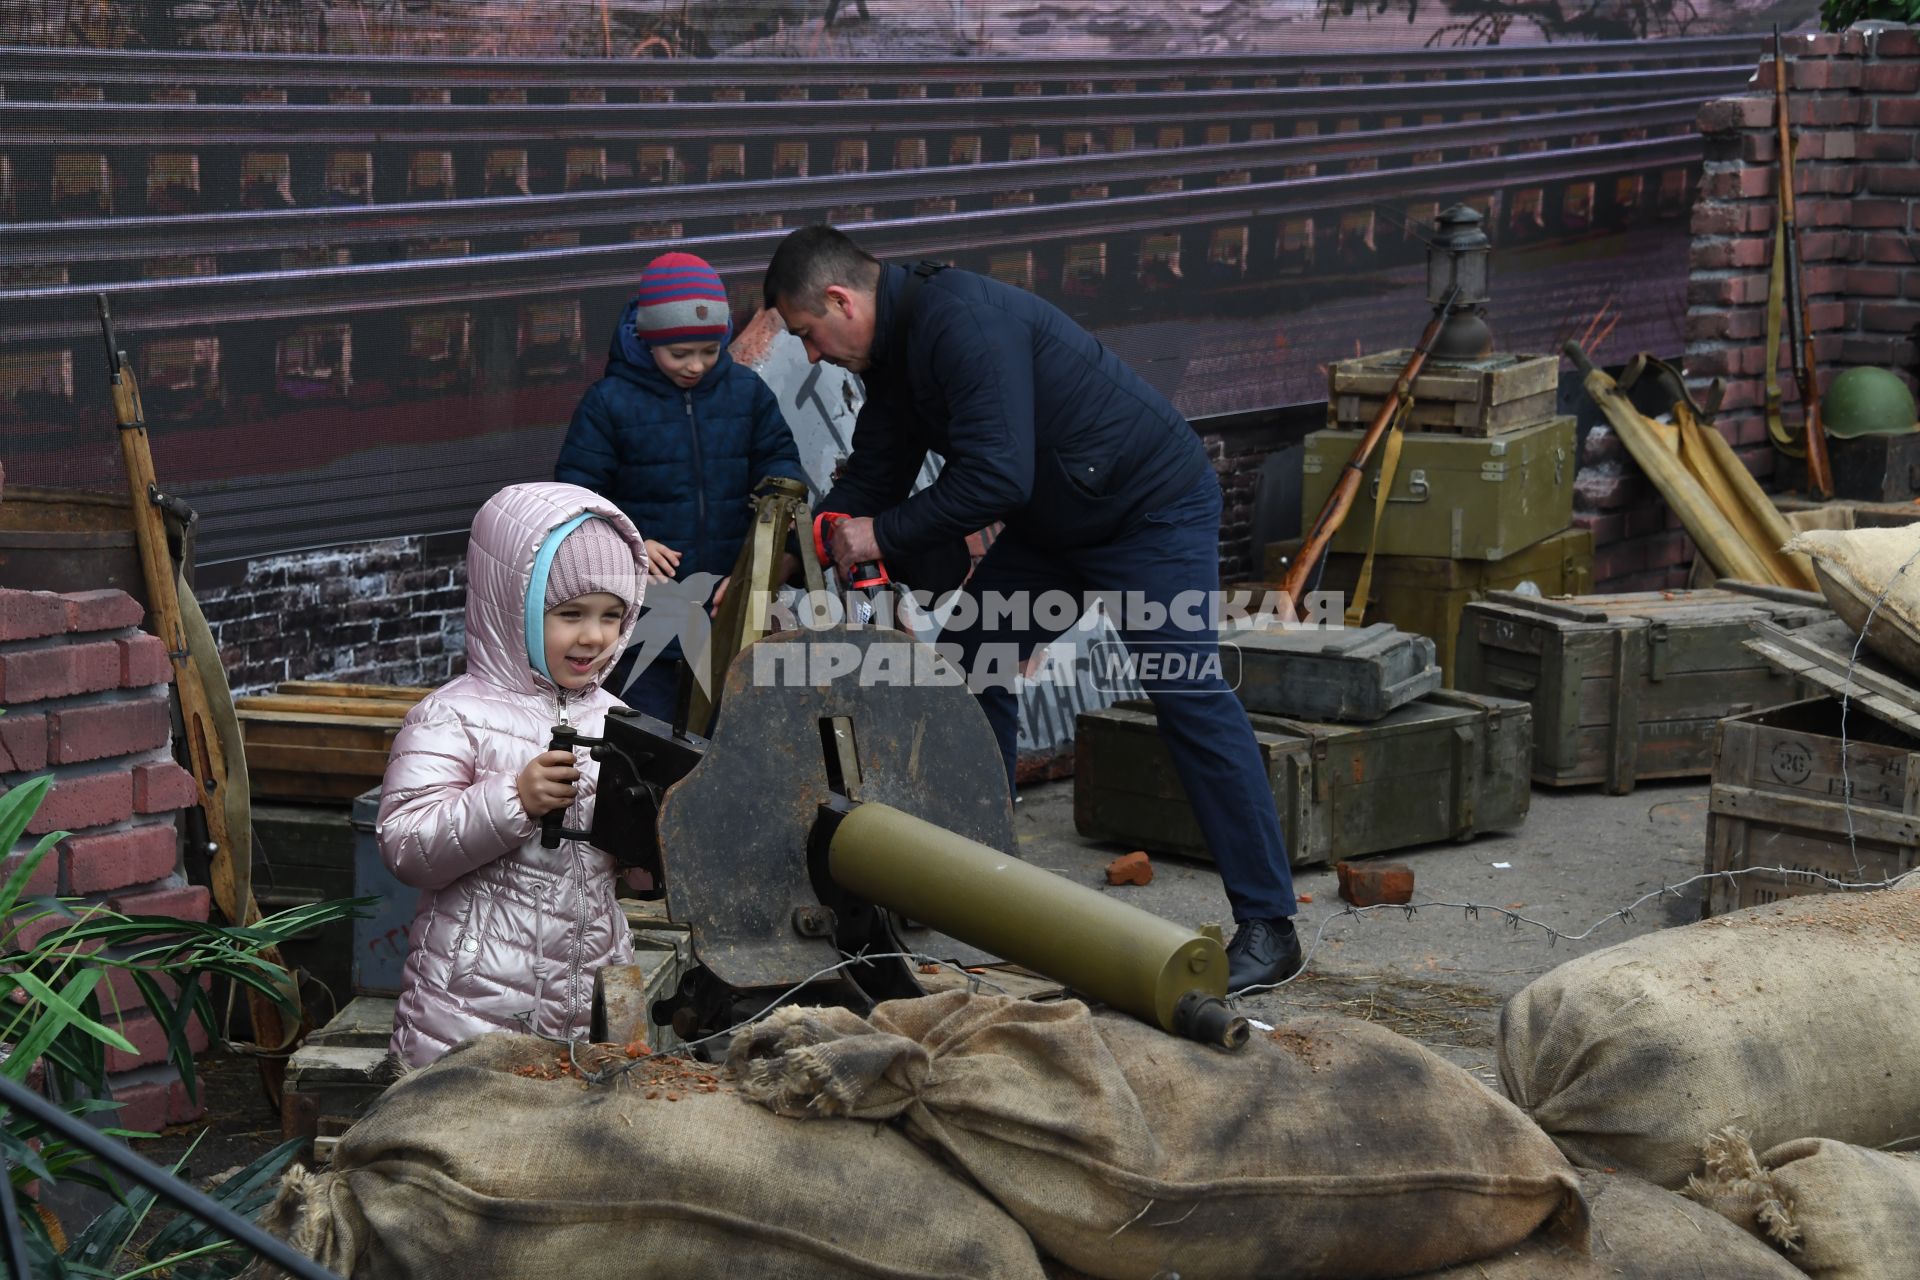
(86, 699)
(1856, 119)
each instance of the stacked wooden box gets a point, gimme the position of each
(1481, 499)
(314, 740)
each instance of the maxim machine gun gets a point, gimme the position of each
(846, 816)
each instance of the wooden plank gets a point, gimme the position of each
(409, 693)
(1824, 655)
(1818, 815)
(1461, 417)
(296, 757)
(1493, 380)
(312, 720)
(357, 708)
(273, 784)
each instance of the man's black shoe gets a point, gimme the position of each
(1262, 952)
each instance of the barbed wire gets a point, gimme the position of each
(1514, 919)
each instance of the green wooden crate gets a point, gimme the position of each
(1629, 686)
(1467, 497)
(1427, 594)
(1444, 768)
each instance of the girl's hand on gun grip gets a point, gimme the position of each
(547, 782)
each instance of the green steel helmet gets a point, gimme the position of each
(1867, 402)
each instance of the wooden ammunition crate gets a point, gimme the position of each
(1328, 673)
(1484, 397)
(1466, 497)
(1444, 768)
(311, 740)
(1628, 686)
(1427, 594)
(1865, 468)
(1780, 799)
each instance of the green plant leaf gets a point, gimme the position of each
(17, 807)
(62, 1010)
(246, 1192)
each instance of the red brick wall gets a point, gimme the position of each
(1856, 120)
(85, 694)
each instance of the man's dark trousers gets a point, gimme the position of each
(1160, 556)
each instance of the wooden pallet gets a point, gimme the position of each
(316, 740)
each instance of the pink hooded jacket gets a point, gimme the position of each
(507, 934)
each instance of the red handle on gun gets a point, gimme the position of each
(871, 574)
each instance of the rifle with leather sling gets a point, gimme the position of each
(231, 887)
(1332, 515)
(1806, 370)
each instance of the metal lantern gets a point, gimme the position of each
(1457, 256)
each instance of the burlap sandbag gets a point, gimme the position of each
(1840, 1212)
(468, 1171)
(1859, 568)
(1330, 1149)
(1640, 1232)
(1789, 1019)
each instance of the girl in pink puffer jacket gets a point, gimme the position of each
(508, 935)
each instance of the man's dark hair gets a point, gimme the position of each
(812, 258)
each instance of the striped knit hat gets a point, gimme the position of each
(680, 299)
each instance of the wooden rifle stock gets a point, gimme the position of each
(1800, 342)
(1340, 501)
(205, 752)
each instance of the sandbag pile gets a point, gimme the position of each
(1640, 1232)
(499, 1163)
(1872, 571)
(1791, 1020)
(1329, 1148)
(1840, 1212)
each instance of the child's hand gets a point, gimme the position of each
(547, 782)
(662, 562)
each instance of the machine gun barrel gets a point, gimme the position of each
(1106, 949)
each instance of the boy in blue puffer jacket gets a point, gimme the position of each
(676, 435)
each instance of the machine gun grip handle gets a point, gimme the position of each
(871, 574)
(553, 822)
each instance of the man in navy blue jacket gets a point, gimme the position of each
(1102, 486)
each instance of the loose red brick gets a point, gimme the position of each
(162, 787)
(1897, 44)
(1668, 549)
(33, 675)
(1742, 393)
(1749, 431)
(149, 1038)
(1874, 351)
(1823, 246)
(1372, 884)
(1746, 182)
(1812, 75)
(78, 801)
(1619, 560)
(187, 902)
(1717, 220)
(104, 610)
(28, 615)
(1719, 255)
(1826, 179)
(118, 859)
(143, 662)
(143, 1106)
(107, 729)
(1130, 868)
(23, 743)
